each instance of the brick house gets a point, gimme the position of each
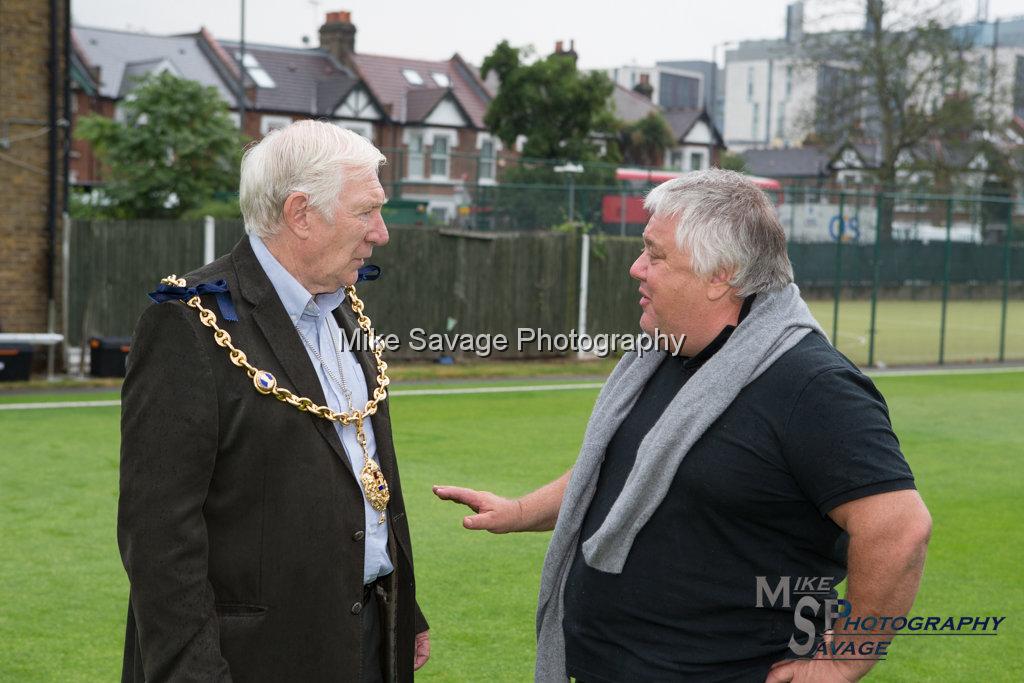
(431, 126)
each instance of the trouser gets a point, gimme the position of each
(370, 670)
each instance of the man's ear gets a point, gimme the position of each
(719, 284)
(295, 214)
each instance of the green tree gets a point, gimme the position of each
(731, 161)
(889, 82)
(560, 110)
(175, 149)
(643, 142)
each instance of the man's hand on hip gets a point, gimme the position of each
(813, 671)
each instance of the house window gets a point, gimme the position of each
(789, 79)
(750, 83)
(415, 169)
(696, 161)
(412, 76)
(486, 162)
(255, 71)
(755, 120)
(780, 128)
(439, 154)
(677, 159)
(441, 79)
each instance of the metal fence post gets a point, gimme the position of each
(875, 271)
(209, 239)
(1006, 283)
(622, 214)
(581, 313)
(839, 270)
(945, 279)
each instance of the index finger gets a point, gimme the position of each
(455, 493)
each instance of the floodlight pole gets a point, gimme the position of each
(241, 73)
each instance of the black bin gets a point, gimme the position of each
(107, 356)
(15, 362)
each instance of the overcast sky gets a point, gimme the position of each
(607, 32)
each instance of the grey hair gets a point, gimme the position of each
(726, 222)
(314, 157)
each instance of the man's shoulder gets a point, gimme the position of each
(219, 269)
(810, 357)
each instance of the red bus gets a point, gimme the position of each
(612, 210)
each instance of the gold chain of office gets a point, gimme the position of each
(374, 484)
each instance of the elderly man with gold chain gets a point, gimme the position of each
(261, 520)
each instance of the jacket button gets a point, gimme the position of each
(358, 536)
(357, 608)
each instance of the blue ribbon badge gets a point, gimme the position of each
(368, 273)
(219, 288)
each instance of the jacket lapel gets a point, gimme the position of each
(273, 321)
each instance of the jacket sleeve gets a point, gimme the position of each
(168, 452)
(419, 620)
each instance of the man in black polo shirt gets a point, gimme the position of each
(759, 451)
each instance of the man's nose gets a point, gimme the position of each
(636, 271)
(379, 235)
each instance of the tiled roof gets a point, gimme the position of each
(383, 75)
(113, 51)
(631, 106)
(798, 162)
(419, 103)
(306, 80)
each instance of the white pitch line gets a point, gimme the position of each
(59, 404)
(515, 389)
(399, 392)
(498, 390)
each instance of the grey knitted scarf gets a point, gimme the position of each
(775, 323)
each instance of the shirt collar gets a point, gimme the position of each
(296, 299)
(711, 349)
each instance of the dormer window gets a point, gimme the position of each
(257, 72)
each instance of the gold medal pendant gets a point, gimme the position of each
(375, 487)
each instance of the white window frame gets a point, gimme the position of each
(481, 140)
(446, 158)
(414, 160)
(269, 122)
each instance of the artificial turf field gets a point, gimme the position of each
(908, 332)
(64, 592)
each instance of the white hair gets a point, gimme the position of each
(314, 157)
(726, 222)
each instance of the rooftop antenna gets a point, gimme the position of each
(315, 4)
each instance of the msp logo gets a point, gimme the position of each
(853, 636)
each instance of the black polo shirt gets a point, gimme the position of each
(750, 499)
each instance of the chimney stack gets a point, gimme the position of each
(338, 36)
(644, 87)
(571, 52)
(795, 22)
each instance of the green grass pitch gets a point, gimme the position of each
(64, 591)
(908, 332)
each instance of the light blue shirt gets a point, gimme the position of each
(311, 315)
